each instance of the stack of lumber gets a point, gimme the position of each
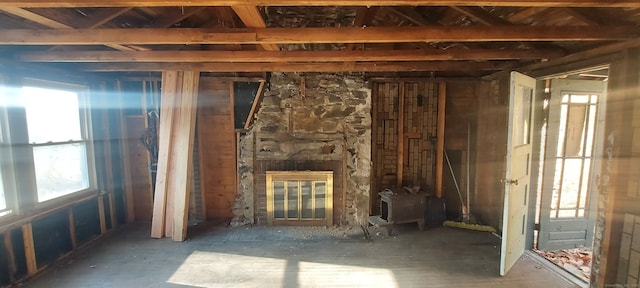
(176, 134)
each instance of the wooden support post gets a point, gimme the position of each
(400, 147)
(442, 93)
(169, 82)
(184, 156)
(72, 228)
(112, 211)
(11, 257)
(103, 220)
(126, 166)
(29, 249)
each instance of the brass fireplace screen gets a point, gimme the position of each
(300, 198)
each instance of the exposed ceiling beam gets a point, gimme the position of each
(175, 15)
(101, 17)
(414, 17)
(298, 67)
(166, 3)
(480, 15)
(287, 56)
(251, 17)
(525, 14)
(580, 17)
(47, 22)
(187, 36)
(364, 17)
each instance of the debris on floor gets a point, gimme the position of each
(576, 261)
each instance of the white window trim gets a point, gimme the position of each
(86, 134)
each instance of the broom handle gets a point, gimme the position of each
(446, 156)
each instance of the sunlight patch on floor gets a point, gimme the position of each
(210, 269)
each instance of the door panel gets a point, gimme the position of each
(568, 203)
(518, 166)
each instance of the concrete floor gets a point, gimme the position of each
(296, 257)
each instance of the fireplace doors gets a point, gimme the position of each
(300, 198)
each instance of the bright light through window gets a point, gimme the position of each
(54, 124)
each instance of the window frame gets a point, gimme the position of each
(84, 113)
(7, 172)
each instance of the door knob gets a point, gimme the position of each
(510, 181)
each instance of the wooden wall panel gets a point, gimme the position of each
(493, 105)
(217, 148)
(138, 161)
(620, 189)
(461, 120)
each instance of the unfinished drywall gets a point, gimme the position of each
(314, 120)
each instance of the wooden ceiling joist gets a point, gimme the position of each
(185, 3)
(288, 56)
(312, 35)
(252, 18)
(47, 22)
(299, 67)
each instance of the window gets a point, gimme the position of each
(57, 125)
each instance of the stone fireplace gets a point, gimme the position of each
(309, 122)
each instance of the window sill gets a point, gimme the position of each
(11, 221)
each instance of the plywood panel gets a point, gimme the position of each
(217, 148)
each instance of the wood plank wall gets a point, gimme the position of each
(621, 173)
(493, 108)
(403, 137)
(138, 160)
(217, 148)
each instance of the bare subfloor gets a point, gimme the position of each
(296, 257)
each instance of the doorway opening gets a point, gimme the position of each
(569, 168)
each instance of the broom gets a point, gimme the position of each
(466, 215)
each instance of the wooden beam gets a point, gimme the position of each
(11, 257)
(596, 52)
(101, 215)
(412, 15)
(481, 16)
(252, 18)
(364, 16)
(29, 249)
(580, 17)
(101, 17)
(185, 36)
(442, 94)
(254, 105)
(186, 3)
(288, 56)
(72, 228)
(175, 15)
(300, 67)
(169, 83)
(44, 21)
(400, 143)
(183, 148)
(525, 14)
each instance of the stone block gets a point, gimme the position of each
(634, 264)
(629, 221)
(635, 240)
